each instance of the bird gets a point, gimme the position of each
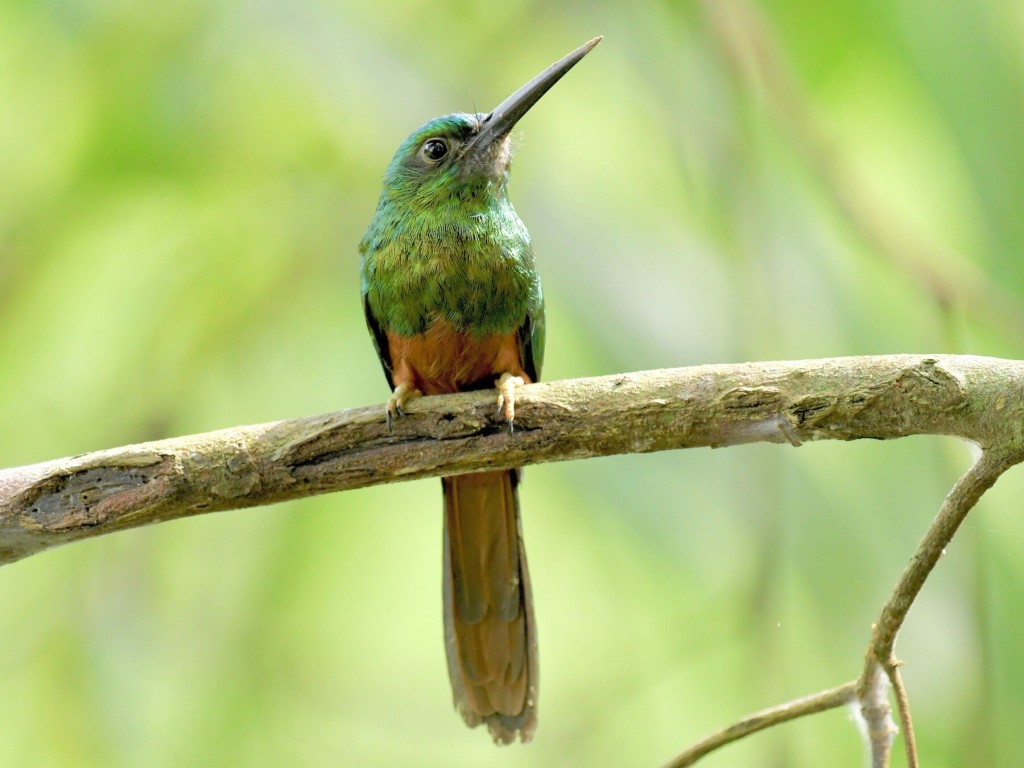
(453, 302)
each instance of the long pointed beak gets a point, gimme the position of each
(504, 117)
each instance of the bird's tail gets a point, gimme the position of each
(490, 634)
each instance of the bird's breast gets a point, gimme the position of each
(486, 289)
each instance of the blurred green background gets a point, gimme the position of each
(182, 188)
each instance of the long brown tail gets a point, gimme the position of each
(489, 629)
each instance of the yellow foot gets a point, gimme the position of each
(403, 393)
(507, 385)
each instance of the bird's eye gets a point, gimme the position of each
(435, 149)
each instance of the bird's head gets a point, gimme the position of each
(461, 157)
(444, 157)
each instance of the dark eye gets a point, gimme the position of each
(435, 149)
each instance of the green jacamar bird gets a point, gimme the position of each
(453, 301)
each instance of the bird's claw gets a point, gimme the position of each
(507, 386)
(403, 394)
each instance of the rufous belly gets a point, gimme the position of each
(447, 360)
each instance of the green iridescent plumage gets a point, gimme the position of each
(446, 243)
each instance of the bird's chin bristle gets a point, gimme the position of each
(491, 161)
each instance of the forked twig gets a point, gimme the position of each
(881, 669)
(965, 494)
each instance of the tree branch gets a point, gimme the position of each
(979, 399)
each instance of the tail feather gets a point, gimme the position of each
(490, 634)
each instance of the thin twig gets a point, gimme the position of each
(965, 494)
(766, 718)
(892, 669)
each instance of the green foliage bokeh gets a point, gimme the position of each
(182, 188)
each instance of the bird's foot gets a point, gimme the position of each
(403, 393)
(507, 386)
